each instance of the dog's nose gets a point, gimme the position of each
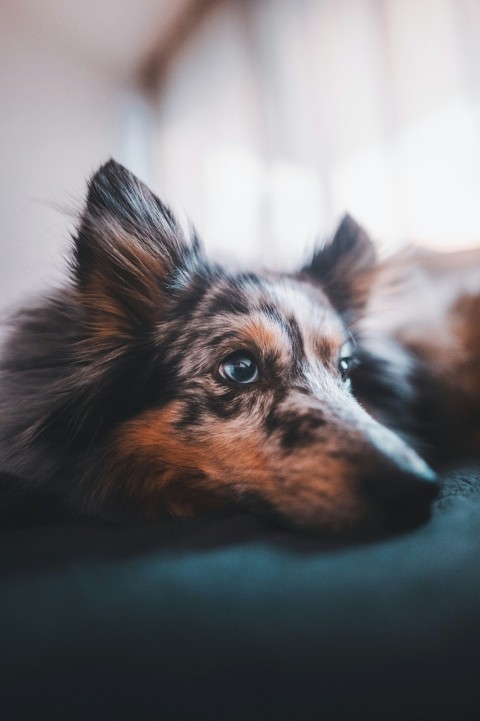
(396, 479)
(402, 494)
(397, 488)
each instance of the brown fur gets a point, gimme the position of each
(117, 399)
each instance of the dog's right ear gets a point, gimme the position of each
(130, 252)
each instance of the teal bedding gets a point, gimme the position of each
(230, 618)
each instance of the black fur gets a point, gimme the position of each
(109, 345)
(60, 394)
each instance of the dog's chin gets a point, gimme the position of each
(368, 525)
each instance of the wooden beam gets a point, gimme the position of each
(154, 68)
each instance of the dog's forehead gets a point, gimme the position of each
(275, 312)
(302, 301)
(307, 308)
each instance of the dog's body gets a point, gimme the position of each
(158, 384)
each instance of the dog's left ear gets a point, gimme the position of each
(344, 267)
(130, 255)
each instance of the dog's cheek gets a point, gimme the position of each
(150, 462)
(167, 468)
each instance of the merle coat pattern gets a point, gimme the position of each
(156, 383)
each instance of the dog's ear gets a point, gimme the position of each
(130, 252)
(344, 267)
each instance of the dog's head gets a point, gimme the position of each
(238, 387)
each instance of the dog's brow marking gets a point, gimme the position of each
(267, 334)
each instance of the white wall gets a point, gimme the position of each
(58, 118)
(279, 116)
(67, 103)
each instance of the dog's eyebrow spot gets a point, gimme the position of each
(269, 335)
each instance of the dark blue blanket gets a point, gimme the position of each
(232, 619)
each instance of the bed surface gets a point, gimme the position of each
(230, 618)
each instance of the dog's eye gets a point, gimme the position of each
(347, 361)
(240, 367)
(344, 366)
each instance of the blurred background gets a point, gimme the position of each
(262, 120)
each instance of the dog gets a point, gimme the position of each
(157, 384)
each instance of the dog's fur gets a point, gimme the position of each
(114, 399)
